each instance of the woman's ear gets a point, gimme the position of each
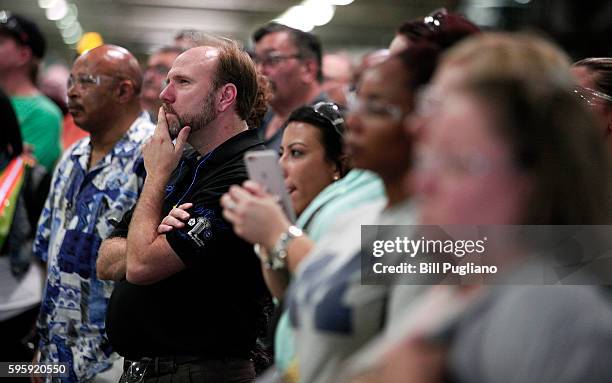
(342, 167)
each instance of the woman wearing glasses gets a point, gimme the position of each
(484, 167)
(594, 77)
(331, 312)
(324, 327)
(507, 144)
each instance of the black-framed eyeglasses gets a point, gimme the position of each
(274, 58)
(332, 113)
(435, 19)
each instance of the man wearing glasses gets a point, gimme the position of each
(95, 182)
(22, 47)
(158, 65)
(291, 60)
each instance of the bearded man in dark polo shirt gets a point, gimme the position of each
(188, 301)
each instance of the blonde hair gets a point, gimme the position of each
(518, 55)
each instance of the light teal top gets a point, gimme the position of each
(355, 189)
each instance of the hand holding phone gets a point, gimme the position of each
(263, 167)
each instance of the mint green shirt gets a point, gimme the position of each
(40, 122)
(355, 189)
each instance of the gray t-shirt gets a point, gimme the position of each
(544, 334)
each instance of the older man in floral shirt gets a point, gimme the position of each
(97, 180)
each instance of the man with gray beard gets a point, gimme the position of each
(153, 319)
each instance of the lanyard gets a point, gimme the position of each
(195, 176)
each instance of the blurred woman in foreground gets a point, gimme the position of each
(509, 147)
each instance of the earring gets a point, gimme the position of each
(336, 177)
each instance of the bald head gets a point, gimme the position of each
(115, 61)
(104, 89)
(202, 55)
(337, 67)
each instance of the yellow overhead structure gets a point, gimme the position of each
(89, 41)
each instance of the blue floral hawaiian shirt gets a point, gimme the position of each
(79, 213)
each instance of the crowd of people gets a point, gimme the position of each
(135, 248)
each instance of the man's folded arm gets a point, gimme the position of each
(111, 262)
(152, 263)
(112, 259)
(149, 256)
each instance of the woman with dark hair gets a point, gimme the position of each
(332, 313)
(23, 188)
(439, 27)
(325, 123)
(311, 158)
(594, 76)
(327, 282)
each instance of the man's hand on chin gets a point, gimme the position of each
(160, 156)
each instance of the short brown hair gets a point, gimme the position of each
(236, 67)
(260, 106)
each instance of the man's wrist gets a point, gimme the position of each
(157, 181)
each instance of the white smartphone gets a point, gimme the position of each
(263, 167)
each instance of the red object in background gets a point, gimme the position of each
(71, 133)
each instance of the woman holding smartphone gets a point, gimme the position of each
(311, 158)
(330, 312)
